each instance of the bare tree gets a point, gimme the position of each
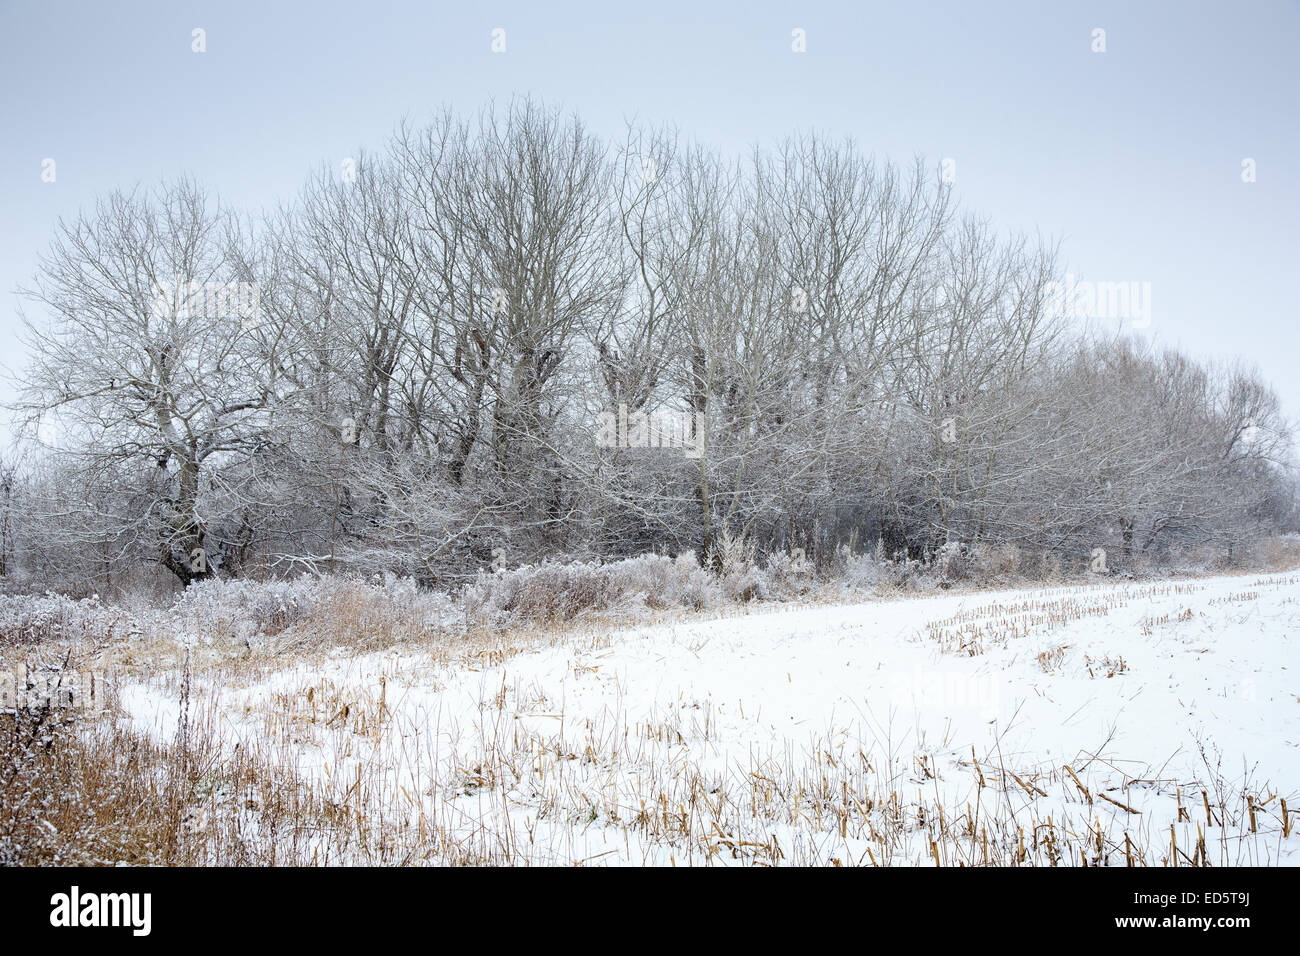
(146, 359)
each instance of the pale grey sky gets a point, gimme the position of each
(1132, 157)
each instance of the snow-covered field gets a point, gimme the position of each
(1155, 723)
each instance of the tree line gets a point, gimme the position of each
(413, 365)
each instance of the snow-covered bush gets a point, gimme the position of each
(663, 582)
(1050, 567)
(856, 572)
(332, 609)
(995, 563)
(953, 561)
(1277, 553)
(739, 577)
(34, 619)
(547, 592)
(787, 574)
(982, 564)
(244, 609)
(558, 592)
(381, 611)
(873, 572)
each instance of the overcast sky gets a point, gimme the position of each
(1132, 158)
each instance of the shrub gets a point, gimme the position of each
(555, 592)
(334, 610)
(995, 563)
(32, 619)
(953, 561)
(787, 574)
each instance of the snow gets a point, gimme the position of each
(749, 738)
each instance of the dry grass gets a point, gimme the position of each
(335, 770)
(100, 792)
(78, 790)
(974, 631)
(1052, 658)
(1105, 666)
(87, 789)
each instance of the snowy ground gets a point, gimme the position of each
(1143, 722)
